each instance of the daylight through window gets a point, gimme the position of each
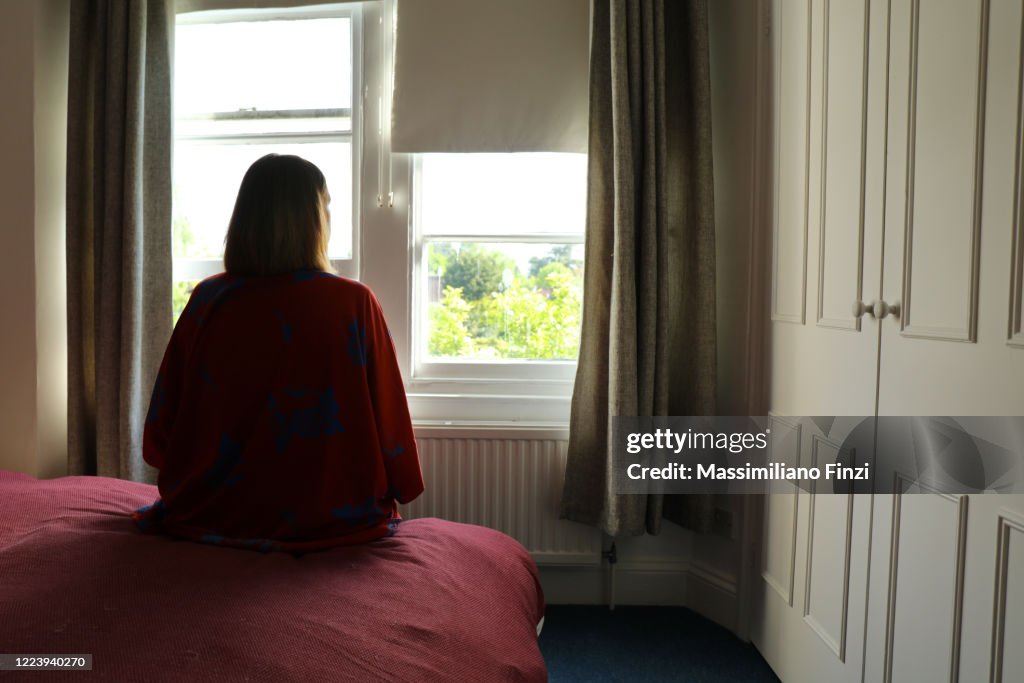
(501, 255)
(234, 106)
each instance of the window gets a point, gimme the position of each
(499, 256)
(475, 258)
(236, 100)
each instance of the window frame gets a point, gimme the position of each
(459, 393)
(495, 370)
(189, 269)
(387, 249)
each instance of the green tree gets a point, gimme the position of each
(525, 321)
(438, 255)
(543, 277)
(565, 311)
(179, 297)
(183, 240)
(536, 316)
(559, 254)
(183, 237)
(478, 271)
(448, 334)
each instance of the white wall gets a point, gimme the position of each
(51, 106)
(715, 585)
(33, 364)
(17, 244)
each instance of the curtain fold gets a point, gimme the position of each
(648, 344)
(118, 228)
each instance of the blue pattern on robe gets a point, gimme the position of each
(357, 344)
(314, 422)
(264, 545)
(366, 513)
(206, 293)
(229, 457)
(158, 509)
(306, 275)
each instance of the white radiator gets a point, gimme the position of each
(509, 484)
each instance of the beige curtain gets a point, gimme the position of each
(648, 345)
(119, 228)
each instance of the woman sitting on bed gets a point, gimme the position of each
(278, 420)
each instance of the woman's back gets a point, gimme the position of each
(279, 419)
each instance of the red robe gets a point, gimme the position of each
(278, 420)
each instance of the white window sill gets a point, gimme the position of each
(479, 429)
(476, 409)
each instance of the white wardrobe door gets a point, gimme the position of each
(947, 574)
(828, 96)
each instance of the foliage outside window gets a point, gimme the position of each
(502, 255)
(487, 307)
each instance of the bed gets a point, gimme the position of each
(439, 601)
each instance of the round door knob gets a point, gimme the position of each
(860, 308)
(882, 309)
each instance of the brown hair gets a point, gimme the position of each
(280, 221)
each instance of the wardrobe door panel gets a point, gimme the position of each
(951, 274)
(828, 85)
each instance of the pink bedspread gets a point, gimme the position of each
(439, 601)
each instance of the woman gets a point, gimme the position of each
(278, 420)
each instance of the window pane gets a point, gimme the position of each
(502, 194)
(487, 300)
(293, 64)
(206, 181)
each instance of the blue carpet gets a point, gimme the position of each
(584, 644)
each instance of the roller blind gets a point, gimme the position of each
(491, 76)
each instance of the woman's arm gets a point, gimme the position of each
(391, 409)
(163, 404)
